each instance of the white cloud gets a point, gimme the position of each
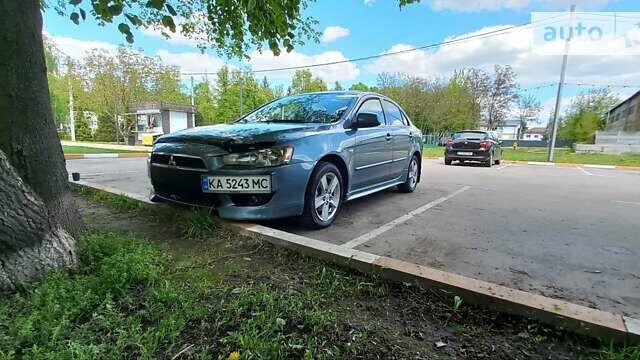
(512, 48)
(331, 73)
(479, 5)
(77, 49)
(333, 33)
(174, 38)
(191, 61)
(369, 2)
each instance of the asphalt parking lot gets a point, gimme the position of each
(564, 232)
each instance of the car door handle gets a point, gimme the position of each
(388, 137)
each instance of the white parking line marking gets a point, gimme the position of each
(390, 225)
(599, 166)
(584, 171)
(626, 202)
(503, 166)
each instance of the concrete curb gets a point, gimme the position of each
(104, 155)
(132, 148)
(572, 317)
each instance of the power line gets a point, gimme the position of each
(423, 47)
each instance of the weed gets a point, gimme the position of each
(457, 302)
(618, 352)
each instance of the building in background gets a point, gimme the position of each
(622, 133)
(508, 129)
(155, 118)
(534, 134)
(625, 116)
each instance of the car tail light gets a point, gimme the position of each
(485, 144)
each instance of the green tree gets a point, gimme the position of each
(359, 86)
(254, 94)
(205, 104)
(40, 216)
(586, 115)
(337, 86)
(106, 131)
(83, 129)
(112, 82)
(304, 82)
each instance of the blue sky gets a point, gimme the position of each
(360, 28)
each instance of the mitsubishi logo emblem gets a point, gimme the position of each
(171, 161)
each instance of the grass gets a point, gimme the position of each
(129, 298)
(90, 150)
(136, 298)
(561, 156)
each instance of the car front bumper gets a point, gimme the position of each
(288, 186)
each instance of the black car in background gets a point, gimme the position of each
(473, 145)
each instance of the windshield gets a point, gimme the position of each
(470, 135)
(305, 108)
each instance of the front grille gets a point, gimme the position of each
(178, 160)
(180, 185)
(469, 145)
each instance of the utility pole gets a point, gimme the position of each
(241, 90)
(72, 123)
(193, 100)
(563, 70)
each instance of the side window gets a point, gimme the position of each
(373, 106)
(393, 113)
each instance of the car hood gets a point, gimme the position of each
(243, 135)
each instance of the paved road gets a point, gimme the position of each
(570, 233)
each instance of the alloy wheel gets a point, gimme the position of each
(413, 173)
(327, 196)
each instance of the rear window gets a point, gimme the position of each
(471, 135)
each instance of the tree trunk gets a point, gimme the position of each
(37, 214)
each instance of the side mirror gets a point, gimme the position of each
(365, 120)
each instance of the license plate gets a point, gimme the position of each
(237, 184)
(465, 153)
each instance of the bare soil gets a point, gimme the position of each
(400, 321)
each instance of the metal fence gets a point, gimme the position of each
(434, 139)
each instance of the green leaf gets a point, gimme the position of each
(75, 18)
(75, 2)
(171, 10)
(83, 14)
(134, 19)
(155, 4)
(124, 28)
(115, 9)
(167, 21)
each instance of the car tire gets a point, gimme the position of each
(489, 162)
(413, 174)
(447, 161)
(321, 191)
(497, 162)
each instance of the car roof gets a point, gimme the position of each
(475, 131)
(359, 93)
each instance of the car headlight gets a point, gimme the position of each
(260, 158)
